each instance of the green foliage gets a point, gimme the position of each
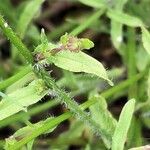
(146, 39)
(25, 131)
(20, 99)
(141, 52)
(15, 40)
(70, 61)
(124, 18)
(4, 7)
(79, 44)
(103, 117)
(30, 90)
(4, 84)
(67, 55)
(120, 133)
(27, 15)
(116, 27)
(134, 133)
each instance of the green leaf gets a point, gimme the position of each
(87, 147)
(103, 117)
(73, 43)
(116, 34)
(146, 39)
(116, 27)
(135, 133)
(93, 3)
(64, 38)
(21, 82)
(141, 52)
(27, 15)
(120, 3)
(22, 98)
(4, 7)
(78, 62)
(124, 18)
(25, 131)
(86, 43)
(43, 37)
(120, 134)
(44, 47)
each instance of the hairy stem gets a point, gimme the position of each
(71, 104)
(15, 40)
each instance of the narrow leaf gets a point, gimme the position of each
(21, 82)
(79, 62)
(27, 15)
(135, 133)
(146, 39)
(103, 117)
(116, 34)
(120, 134)
(124, 18)
(116, 27)
(4, 7)
(22, 98)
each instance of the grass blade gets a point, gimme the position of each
(27, 15)
(123, 125)
(124, 18)
(146, 39)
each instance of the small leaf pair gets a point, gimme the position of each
(75, 44)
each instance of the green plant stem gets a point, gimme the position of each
(4, 84)
(51, 124)
(131, 61)
(15, 40)
(33, 111)
(108, 93)
(87, 23)
(70, 103)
